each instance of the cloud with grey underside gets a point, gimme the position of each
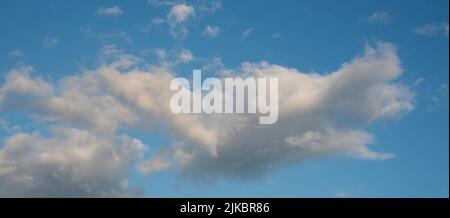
(87, 148)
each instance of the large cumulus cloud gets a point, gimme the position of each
(71, 162)
(319, 115)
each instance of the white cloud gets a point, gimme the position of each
(159, 3)
(18, 81)
(432, 29)
(161, 54)
(211, 31)
(110, 11)
(277, 36)
(71, 163)
(379, 17)
(438, 96)
(177, 16)
(90, 32)
(204, 6)
(181, 13)
(50, 42)
(185, 56)
(247, 32)
(209, 6)
(329, 141)
(319, 115)
(157, 21)
(68, 103)
(17, 53)
(419, 81)
(171, 58)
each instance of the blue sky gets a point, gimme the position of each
(64, 40)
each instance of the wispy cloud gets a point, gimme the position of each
(209, 6)
(247, 32)
(432, 29)
(177, 16)
(437, 97)
(50, 42)
(204, 6)
(211, 31)
(160, 3)
(419, 81)
(173, 57)
(379, 17)
(156, 21)
(17, 53)
(277, 36)
(185, 56)
(110, 11)
(90, 32)
(183, 14)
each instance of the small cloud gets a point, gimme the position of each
(178, 15)
(181, 13)
(277, 36)
(50, 42)
(211, 31)
(440, 94)
(179, 32)
(17, 53)
(443, 89)
(185, 56)
(419, 81)
(379, 17)
(247, 32)
(160, 3)
(89, 32)
(109, 11)
(209, 6)
(173, 57)
(161, 54)
(157, 21)
(203, 6)
(432, 29)
(215, 64)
